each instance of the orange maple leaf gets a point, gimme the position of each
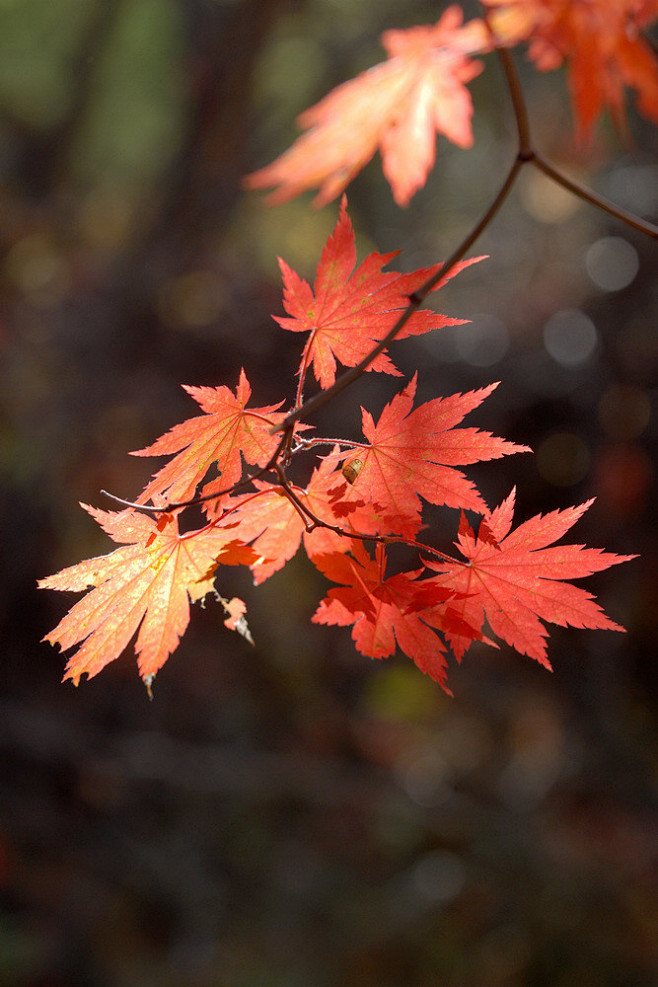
(274, 525)
(149, 582)
(398, 106)
(412, 454)
(599, 40)
(349, 310)
(226, 432)
(515, 580)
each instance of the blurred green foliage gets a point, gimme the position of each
(40, 43)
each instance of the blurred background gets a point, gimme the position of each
(293, 814)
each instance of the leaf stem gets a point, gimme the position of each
(306, 359)
(305, 444)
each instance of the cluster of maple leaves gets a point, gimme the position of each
(365, 496)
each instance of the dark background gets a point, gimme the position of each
(295, 814)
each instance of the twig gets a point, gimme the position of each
(202, 498)
(317, 522)
(525, 150)
(642, 225)
(302, 510)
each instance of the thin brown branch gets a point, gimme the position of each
(525, 151)
(642, 225)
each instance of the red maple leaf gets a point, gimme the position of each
(226, 432)
(516, 581)
(398, 106)
(599, 40)
(149, 582)
(349, 310)
(412, 454)
(383, 612)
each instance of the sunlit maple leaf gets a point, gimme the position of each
(226, 432)
(271, 522)
(349, 310)
(412, 454)
(398, 106)
(149, 582)
(600, 42)
(514, 580)
(383, 612)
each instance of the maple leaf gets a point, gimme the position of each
(270, 520)
(349, 310)
(516, 581)
(227, 431)
(148, 582)
(412, 454)
(599, 40)
(398, 106)
(384, 611)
